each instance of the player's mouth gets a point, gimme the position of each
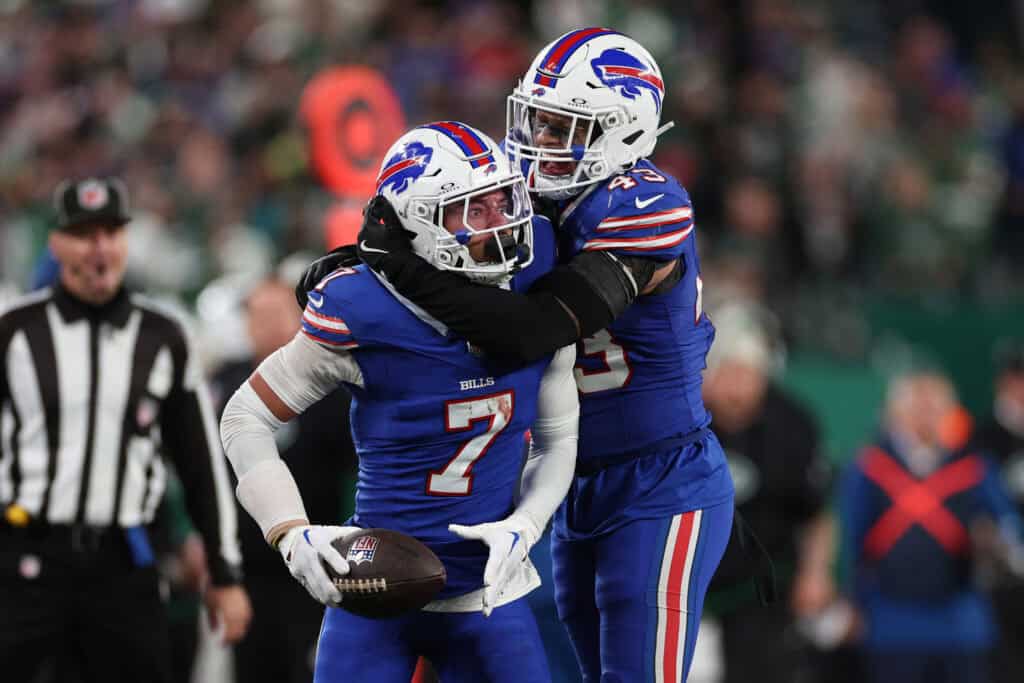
(557, 168)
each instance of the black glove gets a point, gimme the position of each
(382, 234)
(344, 256)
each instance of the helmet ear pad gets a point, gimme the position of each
(620, 148)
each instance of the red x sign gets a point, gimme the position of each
(918, 501)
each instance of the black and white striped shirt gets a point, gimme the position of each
(91, 401)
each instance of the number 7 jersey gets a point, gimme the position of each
(439, 431)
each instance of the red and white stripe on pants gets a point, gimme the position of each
(673, 596)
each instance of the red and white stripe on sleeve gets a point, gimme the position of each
(660, 231)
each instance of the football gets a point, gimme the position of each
(390, 573)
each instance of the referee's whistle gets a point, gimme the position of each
(16, 515)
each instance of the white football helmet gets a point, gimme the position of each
(447, 169)
(588, 108)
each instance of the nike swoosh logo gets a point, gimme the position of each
(644, 203)
(363, 247)
(315, 299)
(515, 539)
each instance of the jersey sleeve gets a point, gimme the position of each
(323, 319)
(645, 219)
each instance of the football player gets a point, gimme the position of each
(439, 429)
(649, 511)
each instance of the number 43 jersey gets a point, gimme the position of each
(440, 432)
(640, 379)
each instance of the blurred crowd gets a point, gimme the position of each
(868, 146)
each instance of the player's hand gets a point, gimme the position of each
(305, 549)
(509, 542)
(229, 611)
(344, 256)
(382, 233)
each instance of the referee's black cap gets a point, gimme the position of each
(92, 201)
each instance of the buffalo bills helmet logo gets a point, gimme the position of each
(619, 69)
(405, 167)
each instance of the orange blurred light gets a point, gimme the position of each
(353, 116)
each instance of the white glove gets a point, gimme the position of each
(305, 548)
(509, 542)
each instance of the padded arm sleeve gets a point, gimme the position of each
(552, 461)
(300, 374)
(570, 302)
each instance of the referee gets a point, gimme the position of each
(97, 387)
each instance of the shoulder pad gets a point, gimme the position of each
(648, 213)
(332, 303)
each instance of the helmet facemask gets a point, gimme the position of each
(467, 208)
(563, 145)
(485, 233)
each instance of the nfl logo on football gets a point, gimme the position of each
(363, 549)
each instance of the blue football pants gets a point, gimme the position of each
(631, 599)
(462, 646)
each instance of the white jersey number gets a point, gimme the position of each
(456, 478)
(616, 371)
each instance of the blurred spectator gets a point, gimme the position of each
(317, 447)
(880, 135)
(1008, 244)
(1002, 436)
(782, 482)
(914, 505)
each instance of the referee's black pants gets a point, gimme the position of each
(74, 607)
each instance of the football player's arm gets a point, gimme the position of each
(284, 385)
(555, 434)
(572, 301)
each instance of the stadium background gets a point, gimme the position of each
(857, 167)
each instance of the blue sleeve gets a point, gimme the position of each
(323, 319)
(646, 218)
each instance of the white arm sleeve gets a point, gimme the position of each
(552, 461)
(300, 374)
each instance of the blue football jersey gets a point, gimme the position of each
(438, 430)
(640, 379)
